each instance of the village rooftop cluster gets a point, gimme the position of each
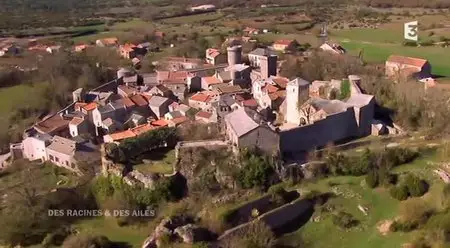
(251, 102)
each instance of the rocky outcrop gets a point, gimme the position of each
(179, 227)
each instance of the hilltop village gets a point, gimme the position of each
(254, 106)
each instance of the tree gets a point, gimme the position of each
(416, 186)
(399, 192)
(255, 172)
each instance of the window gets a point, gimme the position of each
(51, 158)
(57, 159)
(67, 163)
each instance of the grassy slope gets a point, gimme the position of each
(381, 207)
(160, 163)
(108, 227)
(12, 98)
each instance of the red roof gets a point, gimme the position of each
(79, 105)
(142, 129)
(203, 114)
(171, 75)
(200, 97)
(250, 103)
(122, 135)
(126, 89)
(283, 42)
(280, 81)
(109, 41)
(407, 60)
(139, 100)
(211, 80)
(90, 106)
(127, 47)
(212, 52)
(160, 123)
(270, 88)
(128, 102)
(76, 121)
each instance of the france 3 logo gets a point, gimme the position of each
(412, 31)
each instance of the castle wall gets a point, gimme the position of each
(331, 129)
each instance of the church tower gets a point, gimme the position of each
(297, 93)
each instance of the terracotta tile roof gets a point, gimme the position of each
(171, 75)
(81, 47)
(201, 97)
(160, 123)
(122, 135)
(283, 42)
(139, 100)
(159, 34)
(90, 106)
(211, 80)
(142, 129)
(280, 81)
(52, 124)
(250, 103)
(126, 89)
(127, 47)
(407, 60)
(127, 102)
(147, 96)
(212, 52)
(79, 105)
(270, 88)
(76, 121)
(203, 114)
(109, 41)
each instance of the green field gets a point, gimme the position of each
(379, 52)
(205, 17)
(132, 235)
(15, 97)
(160, 161)
(381, 207)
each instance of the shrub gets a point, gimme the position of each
(255, 172)
(403, 226)
(87, 241)
(416, 186)
(399, 192)
(344, 220)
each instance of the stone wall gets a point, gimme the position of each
(334, 128)
(286, 218)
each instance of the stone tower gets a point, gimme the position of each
(297, 93)
(268, 66)
(234, 55)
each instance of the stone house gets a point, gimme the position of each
(214, 56)
(208, 82)
(159, 105)
(244, 129)
(204, 100)
(61, 152)
(112, 41)
(160, 90)
(205, 117)
(34, 146)
(398, 67)
(255, 55)
(78, 125)
(127, 51)
(284, 45)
